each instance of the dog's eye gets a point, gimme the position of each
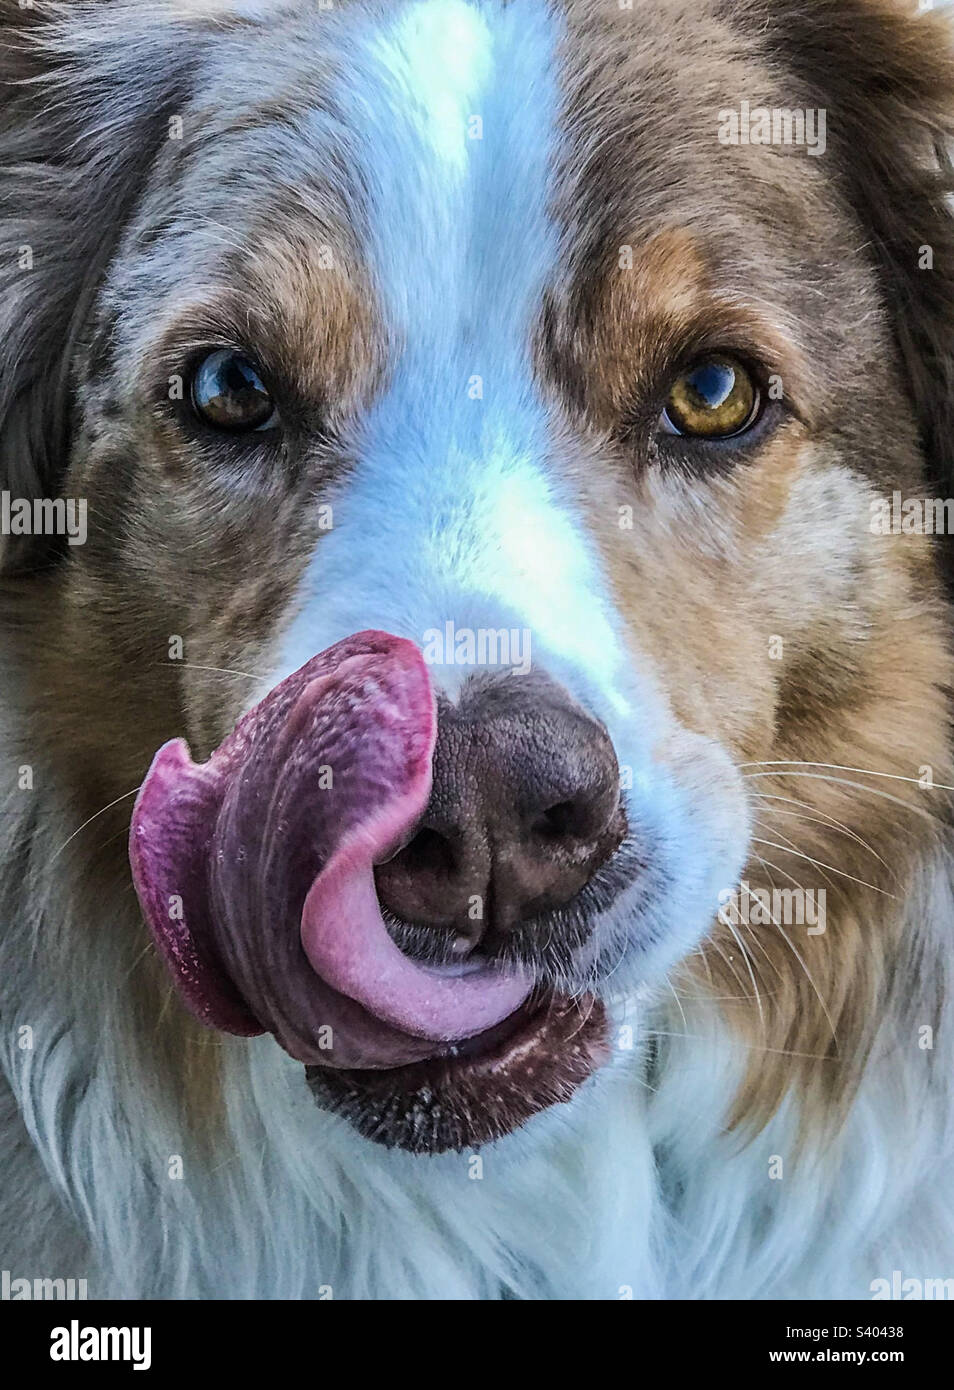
(229, 394)
(714, 398)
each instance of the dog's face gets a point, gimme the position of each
(462, 323)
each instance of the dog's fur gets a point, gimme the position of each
(777, 1120)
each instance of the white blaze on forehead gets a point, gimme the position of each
(440, 54)
(452, 106)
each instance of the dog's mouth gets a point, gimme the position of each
(255, 872)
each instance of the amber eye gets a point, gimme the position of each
(229, 394)
(714, 398)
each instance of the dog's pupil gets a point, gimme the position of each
(713, 384)
(237, 376)
(239, 382)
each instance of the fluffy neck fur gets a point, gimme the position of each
(637, 1188)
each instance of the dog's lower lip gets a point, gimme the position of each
(474, 1092)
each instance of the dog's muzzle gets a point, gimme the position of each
(348, 868)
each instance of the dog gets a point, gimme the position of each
(527, 426)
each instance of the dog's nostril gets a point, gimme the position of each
(557, 822)
(428, 852)
(424, 883)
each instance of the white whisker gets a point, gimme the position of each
(841, 767)
(102, 811)
(221, 670)
(819, 865)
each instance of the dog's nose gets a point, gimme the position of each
(525, 806)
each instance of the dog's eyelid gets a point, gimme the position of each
(168, 381)
(765, 345)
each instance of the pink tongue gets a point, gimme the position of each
(255, 869)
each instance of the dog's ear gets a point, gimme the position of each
(86, 91)
(884, 74)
